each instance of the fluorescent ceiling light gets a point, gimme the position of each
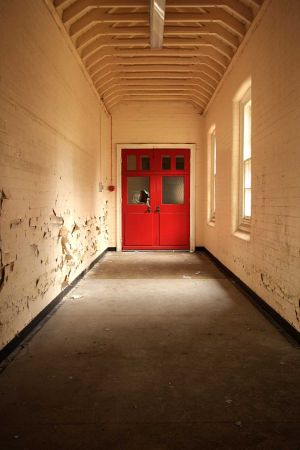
(157, 20)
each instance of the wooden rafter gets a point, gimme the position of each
(233, 6)
(97, 15)
(119, 80)
(100, 30)
(200, 38)
(193, 65)
(104, 41)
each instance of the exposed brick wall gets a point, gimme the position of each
(159, 123)
(53, 219)
(270, 262)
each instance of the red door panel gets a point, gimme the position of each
(156, 199)
(173, 230)
(138, 229)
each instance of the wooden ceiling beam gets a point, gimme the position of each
(123, 75)
(99, 30)
(60, 3)
(97, 16)
(234, 6)
(113, 88)
(139, 98)
(201, 79)
(154, 70)
(216, 60)
(156, 82)
(82, 6)
(217, 16)
(120, 86)
(98, 45)
(156, 90)
(104, 41)
(109, 64)
(208, 82)
(239, 9)
(160, 95)
(157, 22)
(192, 66)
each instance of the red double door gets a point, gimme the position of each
(156, 199)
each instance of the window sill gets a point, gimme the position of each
(242, 234)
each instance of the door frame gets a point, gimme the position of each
(120, 147)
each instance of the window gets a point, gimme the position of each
(212, 171)
(213, 175)
(245, 162)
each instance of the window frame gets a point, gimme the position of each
(213, 173)
(211, 176)
(244, 221)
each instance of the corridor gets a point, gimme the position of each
(153, 351)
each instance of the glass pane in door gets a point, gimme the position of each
(131, 162)
(166, 163)
(138, 189)
(173, 190)
(145, 162)
(179, 162)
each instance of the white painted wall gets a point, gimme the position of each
(49, 160)
(270, 262)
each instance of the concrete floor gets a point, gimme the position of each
(153, 351)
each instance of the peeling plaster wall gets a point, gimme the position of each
(270, 262)
(54, 221)
(159, 123)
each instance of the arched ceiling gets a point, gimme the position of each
(200, 38)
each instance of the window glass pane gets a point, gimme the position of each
(145, 163)
(214, 146)
(247, 174)
(166, 162)
(131, 162)
(247, 131)
(179, 162)
(138, 190)
(213, 175)
(173, 190)
(247, 203)
(214, 198)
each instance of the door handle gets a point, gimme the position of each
(157, 209)
(148, 209)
